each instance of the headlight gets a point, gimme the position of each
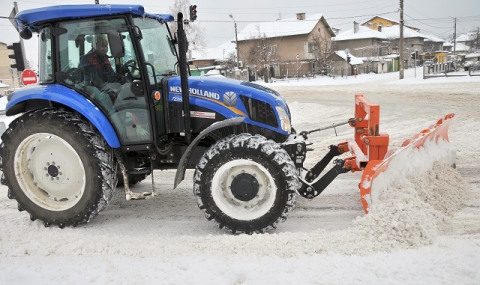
(284, 120)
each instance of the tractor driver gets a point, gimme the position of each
(95, 64)
(98, 75)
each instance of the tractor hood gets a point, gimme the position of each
(227, 94)
(260, 106)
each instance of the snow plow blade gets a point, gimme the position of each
(371, 157)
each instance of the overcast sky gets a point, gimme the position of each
(431, 16)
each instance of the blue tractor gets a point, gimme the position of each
(77, 136)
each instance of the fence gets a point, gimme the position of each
(448, 69)
(474, 69)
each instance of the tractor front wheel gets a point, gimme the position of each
(246, 184)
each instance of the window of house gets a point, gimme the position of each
(312, 46)
(272, 49)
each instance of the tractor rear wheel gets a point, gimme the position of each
(246, 184)
(58, 167)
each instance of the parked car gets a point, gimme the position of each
(428, 63)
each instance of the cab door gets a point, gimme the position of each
(122, 96)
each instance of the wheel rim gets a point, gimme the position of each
(250, 206)
(49, 172)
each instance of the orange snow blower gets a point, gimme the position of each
(370, 151)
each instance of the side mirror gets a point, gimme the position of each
(137, 87)
(116, 44)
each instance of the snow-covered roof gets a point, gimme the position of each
(435, 39)
(219, 53)
(353, 59)
(460, 47)
(363, 33)
(472, 55)
(464, 37)
(386, 33)
(281, 28)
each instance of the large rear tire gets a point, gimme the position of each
(58, 167)
(246, 184)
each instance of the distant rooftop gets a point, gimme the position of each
(282, 28)
(386, 33)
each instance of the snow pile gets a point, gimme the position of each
(412, 200)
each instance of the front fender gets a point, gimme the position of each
(68, 97)
(182, 165)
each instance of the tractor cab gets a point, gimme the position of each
(117, 62)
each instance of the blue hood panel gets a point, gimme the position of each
(222, 95)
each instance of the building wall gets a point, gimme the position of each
(355, 46)
(5, 73)
(378, 21)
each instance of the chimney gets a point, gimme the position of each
(355, 27)
(300, 16)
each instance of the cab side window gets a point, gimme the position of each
(45, 55)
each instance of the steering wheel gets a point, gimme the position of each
(129, 68)
(73, 75)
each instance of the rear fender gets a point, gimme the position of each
(68, 97)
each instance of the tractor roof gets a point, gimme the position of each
(35, 17)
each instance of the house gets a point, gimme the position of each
(207, 59)
(5, 70)
(467, 39)
(343, 64)
(433, 49)
(287, 47)
(457, 48)
(377, 21)
(221, 59)
(375, 47)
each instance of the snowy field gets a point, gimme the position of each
(426, 229)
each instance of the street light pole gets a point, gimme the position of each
(236, 38)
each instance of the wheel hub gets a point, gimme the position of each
(52, 170)
(244, 187)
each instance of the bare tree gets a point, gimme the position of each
(322, 48)
(195, 34)
(231, 60)
(474, 37)
(429, 48)
(262, 53)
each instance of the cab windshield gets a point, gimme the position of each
(157, 46)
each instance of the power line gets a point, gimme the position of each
(328, 19)
(296, 7)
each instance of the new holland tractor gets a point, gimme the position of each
(73, 139)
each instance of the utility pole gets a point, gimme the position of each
(236, 39)
(478, 34)
(454, 36)
(415, 62)
(401, 41)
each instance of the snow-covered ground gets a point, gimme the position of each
(424, 230)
